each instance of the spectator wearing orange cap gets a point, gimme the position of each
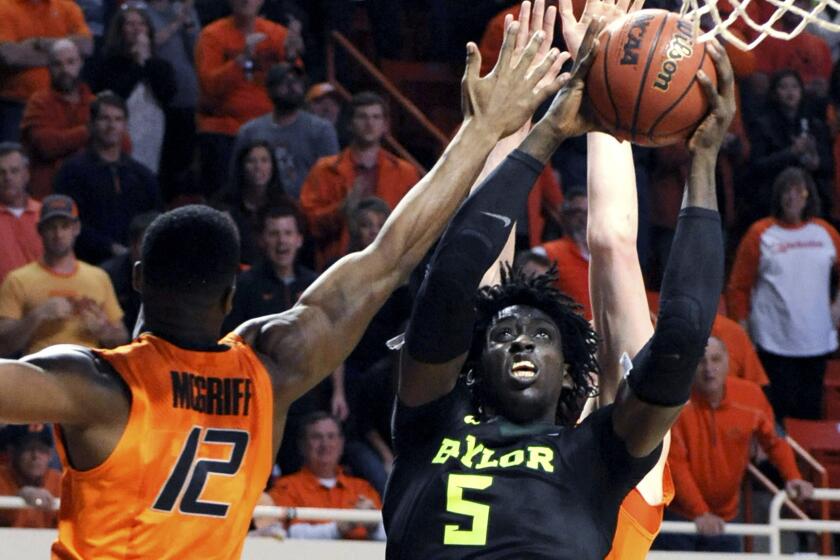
(59, 299)
(28, 475)
(323, 100)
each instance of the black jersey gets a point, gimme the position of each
(469, 488)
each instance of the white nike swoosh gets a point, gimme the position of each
(505, 220)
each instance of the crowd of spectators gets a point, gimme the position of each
(114, 111)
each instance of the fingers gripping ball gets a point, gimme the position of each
(643, 84)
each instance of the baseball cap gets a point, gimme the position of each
(58, 205)
(19, 436)
(277, 73)
(320, 90)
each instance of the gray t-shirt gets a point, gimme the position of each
(297, 146)
(178, 51)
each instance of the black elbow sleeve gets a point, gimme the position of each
(663, 371)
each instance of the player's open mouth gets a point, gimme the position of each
(523, 369)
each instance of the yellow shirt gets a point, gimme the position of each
(29, 286)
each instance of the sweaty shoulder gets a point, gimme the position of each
(99, 393)
(65, 358)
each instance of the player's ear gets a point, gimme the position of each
(227, 299)
(567, 378)
(137, 277)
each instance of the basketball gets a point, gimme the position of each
(643, 84)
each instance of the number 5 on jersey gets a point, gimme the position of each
(192, 475)
(480, 513)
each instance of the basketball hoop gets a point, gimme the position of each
(695, 10)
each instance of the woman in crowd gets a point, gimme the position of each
(254, 185)
(779, 290)
(132, 70)
(787, 135)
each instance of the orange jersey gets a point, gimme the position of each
(639, 522)
(190, 466)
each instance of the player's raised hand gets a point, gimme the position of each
(709, 136)
(567, 115)
(532, 19)
(505, 99)
(574, 29)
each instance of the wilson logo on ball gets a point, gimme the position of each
(679, 47)
(630, 51)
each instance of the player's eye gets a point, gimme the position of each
(543, 334)
(503, 334)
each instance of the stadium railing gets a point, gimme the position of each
(773, 531)
(339, 41)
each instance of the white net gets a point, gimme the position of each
(718, 23)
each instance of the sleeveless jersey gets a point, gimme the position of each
(183, 480)
(469, 487)
(639, 522)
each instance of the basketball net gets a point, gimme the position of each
(708, 11)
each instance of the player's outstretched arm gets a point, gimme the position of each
(620, 311)
(314, 337)
(663, 371)
(60, 384)
(440, 332)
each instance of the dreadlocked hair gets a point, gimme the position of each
(579, 341)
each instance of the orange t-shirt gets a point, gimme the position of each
(24, 19)
(229, 98)
(326, 187)
(190, 466)
(639, 522)
(30, 517)
(303, 489)
(572, 271)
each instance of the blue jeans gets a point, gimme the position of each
(695, 543)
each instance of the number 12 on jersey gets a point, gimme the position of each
(455, 502)
(193, 474)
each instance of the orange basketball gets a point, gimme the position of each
(643, 84)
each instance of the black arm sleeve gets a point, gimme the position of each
(442, 320)
(663, 370)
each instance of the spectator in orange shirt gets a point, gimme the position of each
(336, 184)
(28, 31)
(233, 56)
(322, 483)
(710, 451)
(20, 243)
(28, 475)
(55, 121)
(571, 252)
